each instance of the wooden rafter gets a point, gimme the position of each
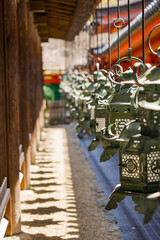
(37, 6)
(61, 18)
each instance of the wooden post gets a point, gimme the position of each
(24, 87)
(32, 67)
(12, 100)
(3, 121)
(36, 84)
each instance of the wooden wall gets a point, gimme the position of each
(21, 101)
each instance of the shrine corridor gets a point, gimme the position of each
(64, 200)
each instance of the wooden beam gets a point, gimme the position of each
(37, 6)
(59, 6)
(60, 11)
(44, 39)
(40, 19)
(63, 16)
(43, 34)
(57, 21)
(70, 2)
(60, 16)
(55, 27)
(42, 28)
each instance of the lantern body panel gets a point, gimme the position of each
(139, 172)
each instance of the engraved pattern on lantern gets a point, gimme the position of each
(119, 124)
(153, 166)
(100, 123)
(132, 165)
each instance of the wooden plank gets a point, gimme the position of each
(37, 6)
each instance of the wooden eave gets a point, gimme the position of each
(62, 19)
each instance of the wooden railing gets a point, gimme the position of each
(21, 163)
(4, 207)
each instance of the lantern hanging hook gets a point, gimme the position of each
(149, 41)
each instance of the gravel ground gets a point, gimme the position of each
(65, 200)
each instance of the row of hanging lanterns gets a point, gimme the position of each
(121, 108)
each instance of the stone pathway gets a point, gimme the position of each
(64, 201)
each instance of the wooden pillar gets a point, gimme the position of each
(3, 122)
(12, 100)
(38, 83)
(24, 87)
(32, 67)
(35, 85)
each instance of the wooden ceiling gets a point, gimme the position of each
(61, 19)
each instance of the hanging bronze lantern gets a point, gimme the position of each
(119, 111)
(98, 110)
(139, 159)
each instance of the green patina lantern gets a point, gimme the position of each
(97, 116)
(98, 109)
(139, 166)
(119, 112)
(97, 122)
(84, 116)
(139, 160)
(120, 109)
